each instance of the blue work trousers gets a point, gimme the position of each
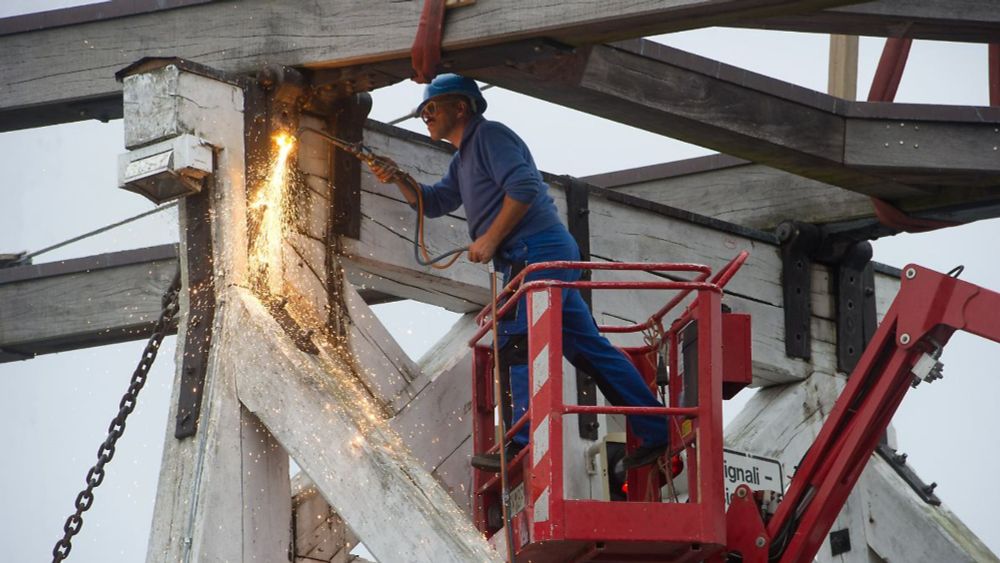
(583, 345)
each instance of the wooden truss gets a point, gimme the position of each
(383, 441)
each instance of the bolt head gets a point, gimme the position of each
(910, 273)
(904, 339)
(760, 541)
(741, 492)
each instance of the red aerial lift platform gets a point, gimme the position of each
(546, 526)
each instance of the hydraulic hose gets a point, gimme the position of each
(365, 154)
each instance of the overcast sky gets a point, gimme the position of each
(60, 181)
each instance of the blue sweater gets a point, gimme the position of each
(492, 162)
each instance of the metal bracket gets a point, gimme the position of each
(201, 313)
(840, 542)
(856, 316)
(898, 463)
(801, 245)
(347, 121)
(578, 223)
(286, 89)
(799, 242)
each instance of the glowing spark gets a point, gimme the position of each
(357, 441)
(265, 253)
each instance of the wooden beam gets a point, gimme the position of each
(63, 74)
(893, 151)
(430, 409)
(842, 79)
(738, 191)
(955, 20)
(781, 422)
(761, 197)
(312, 406)
(319, 533)
(83, 302)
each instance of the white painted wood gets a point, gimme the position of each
(320, 533)
(314, 408)
(895, 511)
(383, 366)
(435, 425)
(456, 474)
(883, 512)
(266, 493)
(304, 271)
(223, 495)
(438, 419)
(157, 107)
(450, 349)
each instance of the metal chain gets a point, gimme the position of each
(95, 476)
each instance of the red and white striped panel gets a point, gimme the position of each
(545, 361)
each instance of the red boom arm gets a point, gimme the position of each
(929, 308)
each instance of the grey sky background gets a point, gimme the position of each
(60, 181)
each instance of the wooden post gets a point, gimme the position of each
(843, 75)
(224, 493)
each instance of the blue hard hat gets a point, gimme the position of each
(454, 84)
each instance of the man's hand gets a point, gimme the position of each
(483, 249)
(384, 169)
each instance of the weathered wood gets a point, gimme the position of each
(320, 534)
(313, 406)
(758, 196)
(843, 67)
(737, 191)
(435, 422)
(83, 302)
(379, 261)
(782, 422)
(955, 20)
(80, 59)
(224, 493)
(670, 92)
(383, 367)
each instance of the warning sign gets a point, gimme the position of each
(758, 473)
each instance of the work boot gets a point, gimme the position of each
(644, 455)
(491, 462)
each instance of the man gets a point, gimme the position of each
(513, 221)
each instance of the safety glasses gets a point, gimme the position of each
(429, 110)
(433, 107)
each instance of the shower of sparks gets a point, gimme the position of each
(269, 207)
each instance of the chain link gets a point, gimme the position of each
(95, 476)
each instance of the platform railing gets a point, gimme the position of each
(545, 489)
